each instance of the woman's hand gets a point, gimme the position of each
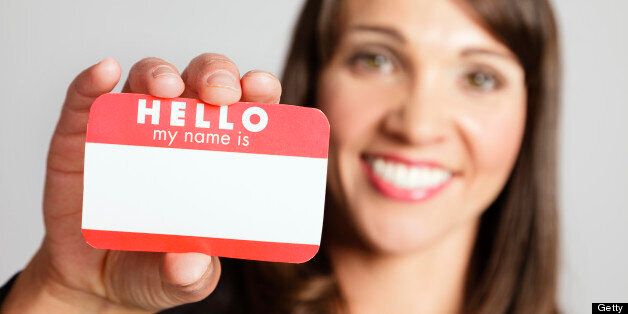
(67, 275)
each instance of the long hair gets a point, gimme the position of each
(513, 267)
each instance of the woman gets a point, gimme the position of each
(441, 171)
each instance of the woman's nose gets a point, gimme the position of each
(420, 117)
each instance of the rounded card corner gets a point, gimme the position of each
(307, 255)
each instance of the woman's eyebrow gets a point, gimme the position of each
(387, 31)
(487, 51)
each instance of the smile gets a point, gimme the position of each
(405, 180)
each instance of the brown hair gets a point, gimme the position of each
(513, 266)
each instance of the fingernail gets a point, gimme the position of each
(265, 73)
(191, 267)
(163, 70)
(222, 78)
(105, 60)
(208, 267)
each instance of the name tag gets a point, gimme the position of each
(177, 175)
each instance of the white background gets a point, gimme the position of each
(44, 44)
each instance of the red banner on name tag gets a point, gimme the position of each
(285, 130)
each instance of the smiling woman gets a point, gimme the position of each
(441, 181)
(443, 119)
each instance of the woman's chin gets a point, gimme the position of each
(392, 234)
(388, 226)
(400, 243)
(403, 235)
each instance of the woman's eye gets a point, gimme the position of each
(482, 81)
(372, 62)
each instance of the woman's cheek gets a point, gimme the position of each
(493, 140)
(353, 108)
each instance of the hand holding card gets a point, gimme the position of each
(177, 175)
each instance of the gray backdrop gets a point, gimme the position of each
(44, 44)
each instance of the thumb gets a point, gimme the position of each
(189, 277)
(157, 281)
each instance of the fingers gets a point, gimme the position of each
(66, 147)
(260, 86)
(64, 186)
(96, 80)
(214, 79)
(155, 77)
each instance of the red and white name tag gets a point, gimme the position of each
(177, 175)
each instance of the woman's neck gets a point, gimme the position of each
(430, 280)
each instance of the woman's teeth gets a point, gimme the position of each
(408, 177)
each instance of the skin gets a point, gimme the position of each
(409, 93)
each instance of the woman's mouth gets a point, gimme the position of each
(406, 180)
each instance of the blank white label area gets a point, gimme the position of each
(204, 193)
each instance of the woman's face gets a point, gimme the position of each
(427, 113)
